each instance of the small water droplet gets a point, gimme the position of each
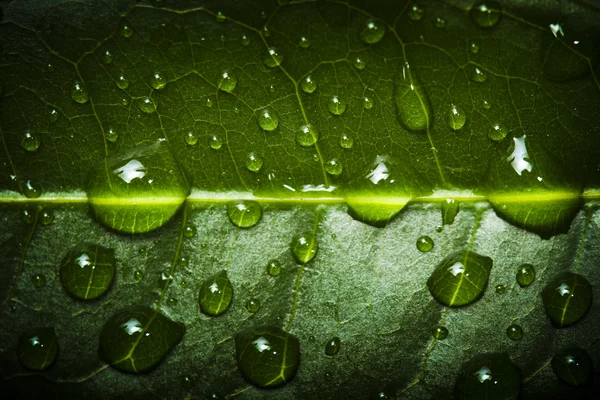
(424, 244)
(220, 17)
(274, 267)
(304, 247)
(514, 332)
(497, 132)
(122, 82)
(486, 14)
(333, 345)
(32, 190)
(38, 280)
(46, 217)
(79, 93)
(183, 261)
(456, 117)
(107, 57)
(416, 12)
(373, 31)
(126, 31)
(266, 32)
(187, 382)
(346, 141)
(172, 301)
(308, 85)
(216, 294)
(227, 81)
(440, 332)
(440, 22)
(479, 75)
(190, 138)
(52, 115)
(189, 230)
(253, 305)
(486, 105)
(30, 142)
(146, 105)
(273, 59)
(500, 289)
(245, 213)
(525, 275)
(138, 275)
(245, 40)
(307, 136)
(215, 142)
(336, 105)
(267, 119)
(334, 167)
(359, 63)
(474, 48)
(304, 42)
(368, 103)
(158, 80)
(28, 216)
(111, 135)
(254, 162)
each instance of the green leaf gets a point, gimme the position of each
(87, 271)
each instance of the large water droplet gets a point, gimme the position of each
(87, 271)
(138, 189)
(137, 338)
(440, 332)
(460, 278)
(158, 80)
(489, 376)
(514, 332)
(308, 85)
(412, 101)
(334, 167)
(573, 366)
(267, 356)
(525, 275)
(254, 162)
(244, 213)
(336, 105)
(456, 118)
(304, 247)
(424, 244)
(307, 136)
(333, 345)
(274, 267)
(37, 348)
(267, 119)
(567, 299)
(486, 14)
(30, 142)
(273, 59)
(79, 93)
(227, 81)
(147, 105)
(122, 82)
(373, 31)
(215, 294)
(497, 132)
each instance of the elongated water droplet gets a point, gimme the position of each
(514, 332)
(126, 31)
(440, 332)
(254, 162)
(38, 280)
(456, 118)
(479, 75)
(573, 366)
(373, 31)
(304, 247)
(158, 80)
(460, 278)
(525, 275)
(308, 85)
(334, 167)
(424, 244)
(87, 271)
(46, 217)
(267, 356)
(567, 299)
(489, 376)
(190, 138)
(416, 12)
(79, 93)
(253, 305)
(122, 82)
(273, 59)
(37, 348)
(497, 132)
(147, 105)
(111, 135)
(486, 14)
(267, 119)
(215, 142)
(500, 289)
(244, 213)
(333, 345)
(359, 64)
(346, 141)
(137, 338)
(307, 136)
(215, 294)
(450, 208)
(227, 81)
(30, 142)
(274, 267)
(107, 57)
(336, 105)
(412, 101)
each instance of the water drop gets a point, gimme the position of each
(450, 208)
(147, 105)
(368, 103)
(28, 216)
(189, 230)
(479, 75)
(267, 119)
(304, 42)
(245, 40)
(107, 57)
(32, 190)
(30, 142)
(567, 299)
(87, 270)
(52, 115)
(137, 338)
(474, 48)
(111, 135)
(573, 366)
(500, 289)
(227, 82)
(183, 261)
(525, 275)
(187, 382)
(37, 348)
(172, 301)
(273, 59)
(158, 80)
(334, 167)
(456, 118)
(266, 32)
(220, 17)
(38, 280)
(497, 132)
(274, 267)
(253, 305)
(489, 376)
(359, 64)
(245, 213)
(486, 105)
(440, 332)
(304, 247)
(514, 332)
(308, 85)
(267, 356)
(254, 162)
(79, 93)
(46, 217)
(215, 294)
(215, 142)
(126, 31)
(414, 106)
(440, 22)
(138, 275)
(460, 278)
(333, 345)
(424, 244)
(190, 138)
(346, 141)
(336, 105)
(307, 136)
(486, 14)
(416, 12)
(122, 82)
(373, 31)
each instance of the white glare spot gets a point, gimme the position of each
(518, 156)
(214, 287)
(261, 344)
(380, 172)
(563, 289)
(128, 172)
(83, 260)
(318, 188)
(34, 341)
(556, 29)
(132, 326)
(288, 187)
(484, 374)
(457, 268)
